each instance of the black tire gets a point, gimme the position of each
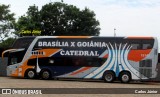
(125, 77)
(108, 76)
(46, 74)
(30, 74)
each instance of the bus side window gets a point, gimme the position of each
(147, 46)
(136, 46)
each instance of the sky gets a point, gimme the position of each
(128, 17)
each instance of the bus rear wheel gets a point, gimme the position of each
(108, 76)
(30, 74)
(125, 77)
(45, 74)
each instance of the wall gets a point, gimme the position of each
(158, 77)
(3, 66)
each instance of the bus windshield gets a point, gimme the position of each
(23, 42)
(15, 57)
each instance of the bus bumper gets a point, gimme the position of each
(13, 71)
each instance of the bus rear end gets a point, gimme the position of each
(146, 58)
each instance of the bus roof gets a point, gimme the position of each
(128, 37)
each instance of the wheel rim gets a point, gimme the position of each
(31, 74)
(45, 75)
(108, 77)
(125, 78)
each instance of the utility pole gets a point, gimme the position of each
(114, 32)
(51, 1)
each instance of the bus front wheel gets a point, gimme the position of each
(30, 73)
(108, 76)
(45, 74)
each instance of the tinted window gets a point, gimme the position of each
(109, 41)
(68, 61)
(136, 46)
(141, 43)
(147, 46)
(23, 42)
(15, 57)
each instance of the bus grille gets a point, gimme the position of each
(145, 68)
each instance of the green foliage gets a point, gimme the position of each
(5, 14)
(7, 43)
(30, 22)
(59, 19)
(7, 22)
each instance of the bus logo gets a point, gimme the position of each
(6, 91)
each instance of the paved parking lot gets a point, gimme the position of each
(8, 82)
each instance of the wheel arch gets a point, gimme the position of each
(107, 72)
(124, 72)
(26, 71)
(46, 69)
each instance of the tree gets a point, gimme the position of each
(7, 22)
(60, 19)
(63, 19)
(30, 22)
(7, 43)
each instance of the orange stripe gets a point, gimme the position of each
(106, 56)
(6, 52)
(133, 37)
(138, 55)
(73, 36)
(81, 70)
(49, 52)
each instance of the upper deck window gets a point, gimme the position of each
(141, 44)
(23, 42)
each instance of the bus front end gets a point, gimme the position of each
(15, 67)
(15, 57)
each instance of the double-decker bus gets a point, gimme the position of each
(92, 57)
